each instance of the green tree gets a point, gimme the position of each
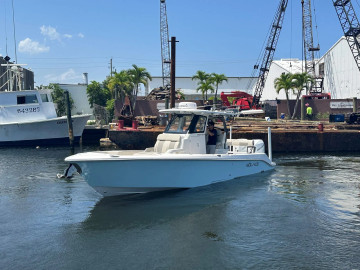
(301, 81)
(58, 97)
(120, 85)
(110, 107)
(97, 94)
(285, 81)
(201, 76)
(204, 87)
(138, 76)
(216, 80)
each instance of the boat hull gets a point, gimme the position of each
(120, 177)
(45, 132)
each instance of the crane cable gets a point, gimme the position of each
(357, 3)
(260, 56)
(316, 30)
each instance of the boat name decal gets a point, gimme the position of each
(29, 110)
(252, 164)
(61, 122)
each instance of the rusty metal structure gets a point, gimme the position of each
(269, 52)
(350, 25)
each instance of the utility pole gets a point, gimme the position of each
(173, 65)
(111, 68)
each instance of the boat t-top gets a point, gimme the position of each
(179, 158)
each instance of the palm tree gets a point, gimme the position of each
(204, 87)
(120, 84)
(300, 81)
(285, 81)
(201, 76)
(138, 76)
(217, 79)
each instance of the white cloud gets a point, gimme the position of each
(81, 35)
(69, 76)
(32, 47)
(67, 36)
(50, 32)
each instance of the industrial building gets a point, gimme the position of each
(340, 72)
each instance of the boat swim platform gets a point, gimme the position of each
(287, 136)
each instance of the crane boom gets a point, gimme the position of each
(308, 38)
(350, 25)
(316, 86)
(269, 51)
(165, 48)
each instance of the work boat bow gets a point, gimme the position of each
(178, 159)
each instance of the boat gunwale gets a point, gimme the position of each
(45, 120)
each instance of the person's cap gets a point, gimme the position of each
(210, 123)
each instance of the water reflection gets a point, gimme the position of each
(158, 207)
(324, 182)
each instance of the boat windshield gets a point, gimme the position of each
(186, 123)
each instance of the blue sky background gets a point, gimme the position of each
(61, 39)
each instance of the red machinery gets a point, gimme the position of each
(242, 100)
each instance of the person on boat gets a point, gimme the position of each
(308, 111)
(211, 143)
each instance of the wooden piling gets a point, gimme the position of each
(69, 120)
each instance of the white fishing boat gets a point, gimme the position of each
(29, 118)
(179, 158)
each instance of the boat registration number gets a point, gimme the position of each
(29, 110)
(252, 164)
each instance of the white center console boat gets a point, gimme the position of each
(178, 159)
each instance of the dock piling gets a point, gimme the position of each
(269, 144)
(69, 119)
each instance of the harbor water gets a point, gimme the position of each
(303, 215)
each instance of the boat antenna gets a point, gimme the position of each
(6, 37)
(13, 13)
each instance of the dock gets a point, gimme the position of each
(287, 136)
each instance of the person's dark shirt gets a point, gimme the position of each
(212, 139)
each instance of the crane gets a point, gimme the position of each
(350, 25)
(269, 51)
(315, 88)
(165, 48)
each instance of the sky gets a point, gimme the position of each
(59, 40)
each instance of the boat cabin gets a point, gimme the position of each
(187, 130)
(26, 106)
